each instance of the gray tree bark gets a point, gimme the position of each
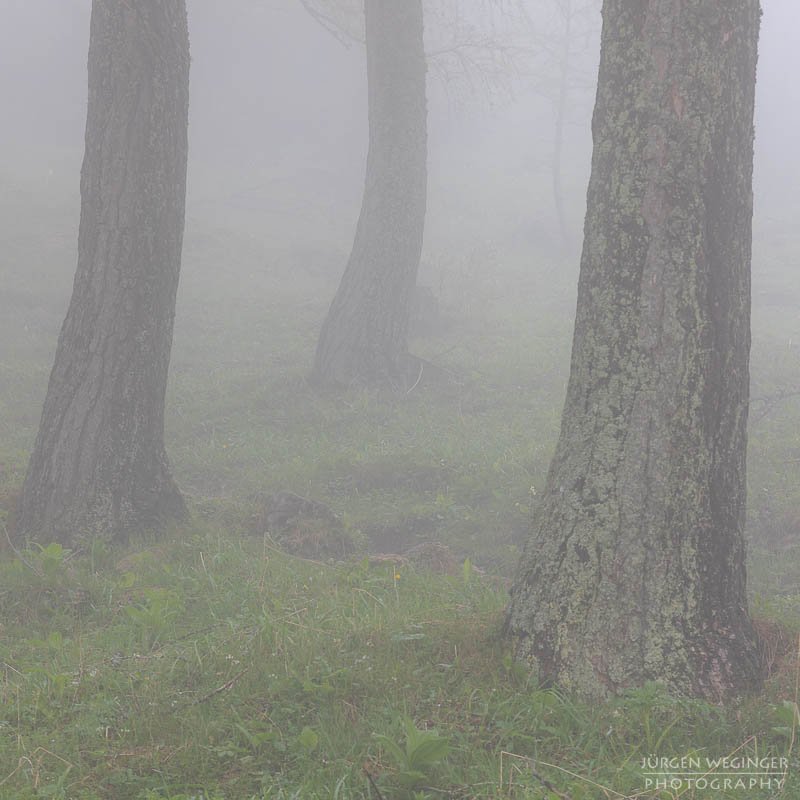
(98, 466)
(635, 567)
(364, 336)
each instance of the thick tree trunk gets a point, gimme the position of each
(98, 466)
(364, 337)
(635, 566)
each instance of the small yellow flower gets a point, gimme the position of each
(397, 576)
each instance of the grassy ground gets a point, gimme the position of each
(210, 663)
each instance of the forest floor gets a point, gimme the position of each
(208, 664)
(225, 659)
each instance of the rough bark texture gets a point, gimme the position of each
(364, 337)
(98, 465)
(635, 566)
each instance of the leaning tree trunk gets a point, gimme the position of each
(98, 465)
(364, 337)
(634, 570)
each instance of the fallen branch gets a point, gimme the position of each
(372, 784)
(218, 690)
(186, 636)
(769, 403)
(549, 786)
(419, 378)
(546, 783)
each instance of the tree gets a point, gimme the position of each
(364, 336)
(98, 465)
(635, 567)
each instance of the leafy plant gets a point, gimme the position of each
(423, 749)
(55, 682)
(308, 740)
(466, 572)
(787, 715)
(51, 558)
(160, 608)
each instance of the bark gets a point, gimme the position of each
(364, 337)
(98, 466)
(635, 567)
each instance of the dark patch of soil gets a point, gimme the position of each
(400, 536)
(301, 526)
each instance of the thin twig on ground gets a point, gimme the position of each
(372, 784)
(419, 378)
(218, 690)
(546, 783)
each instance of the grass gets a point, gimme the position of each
(209, 663)
(214, 665)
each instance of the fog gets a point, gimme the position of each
(340, 535)
(278, 123)
(278, 142)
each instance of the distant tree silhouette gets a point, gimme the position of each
(364, 336)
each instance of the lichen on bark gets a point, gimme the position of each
(634, 569)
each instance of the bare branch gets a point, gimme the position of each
(343, 19)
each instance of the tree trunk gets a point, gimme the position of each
(635, 568)
(364, 337)
(98, 466)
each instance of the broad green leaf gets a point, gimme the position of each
(53, 550)
(308, 739)
(397, 754)
(407, 637)
(432, 749)
(411, 778)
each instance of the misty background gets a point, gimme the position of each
(278, 138)
(278, 128)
